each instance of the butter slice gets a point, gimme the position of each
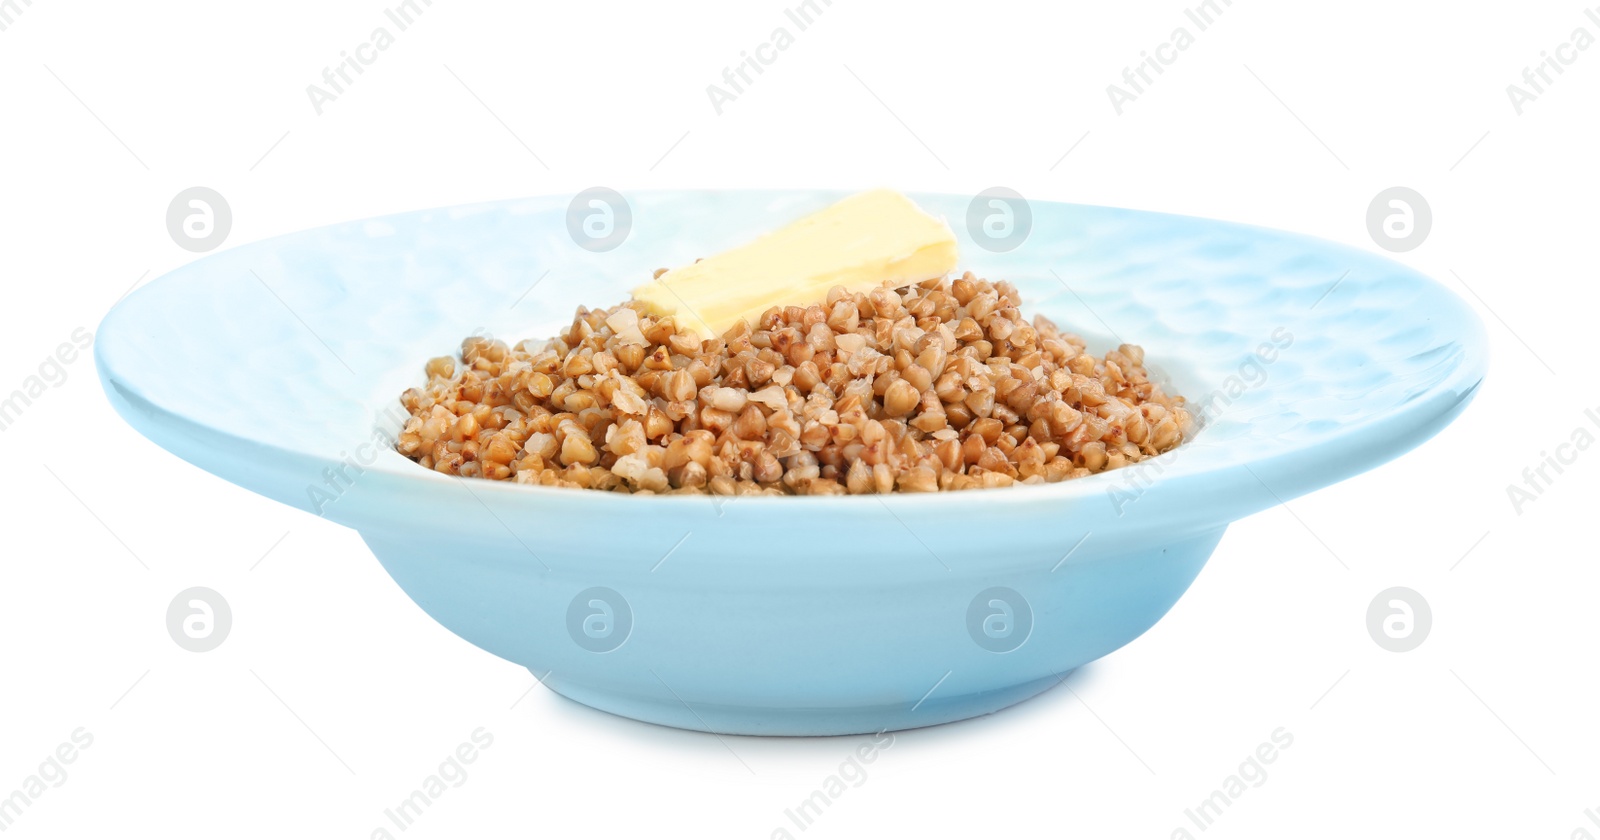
(861, 243)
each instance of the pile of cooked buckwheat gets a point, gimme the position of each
(938, 386)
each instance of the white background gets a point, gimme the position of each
(334, 696)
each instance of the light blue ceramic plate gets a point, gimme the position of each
(276, 365)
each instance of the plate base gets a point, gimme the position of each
(753, 720)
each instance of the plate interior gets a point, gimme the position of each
(300, 344)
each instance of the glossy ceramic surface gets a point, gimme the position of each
(276, 365)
